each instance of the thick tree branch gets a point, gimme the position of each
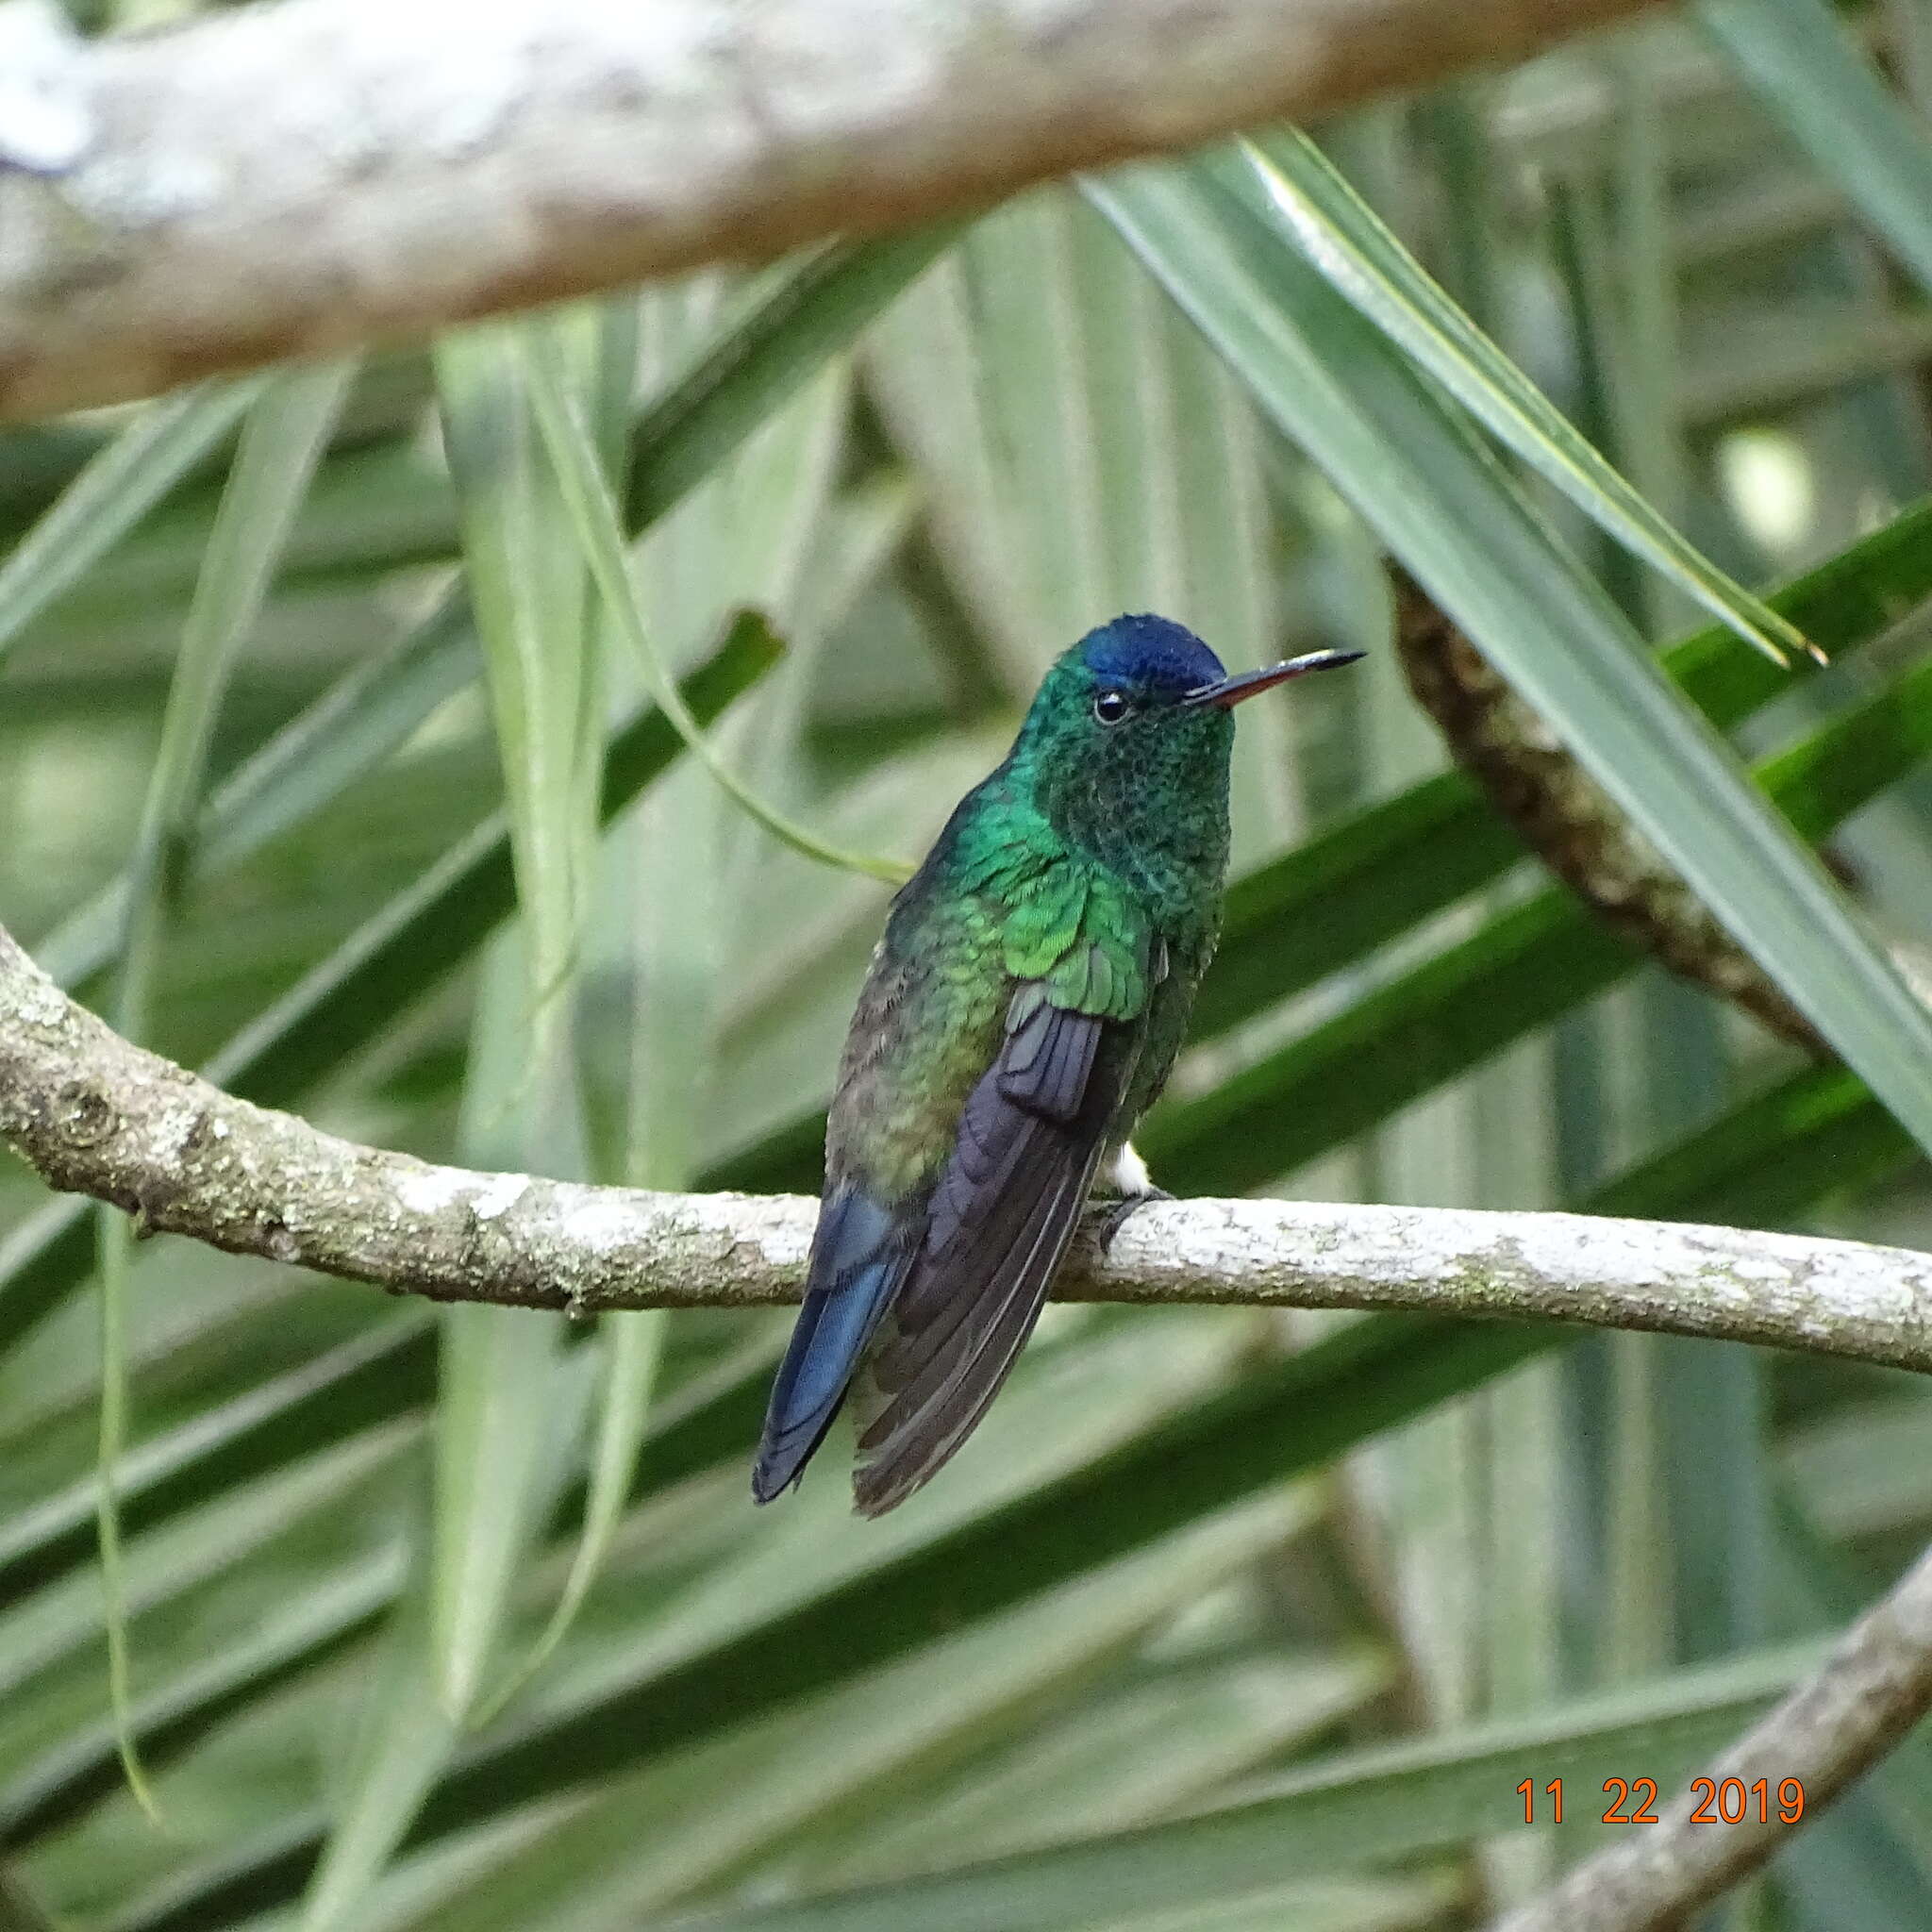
(1875, 1685)
(96, 1115)
(304, 175)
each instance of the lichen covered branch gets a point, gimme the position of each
(96, 1115)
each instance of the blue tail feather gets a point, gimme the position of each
(859, 1258)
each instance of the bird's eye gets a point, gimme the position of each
(1110, 706)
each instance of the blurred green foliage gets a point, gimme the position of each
(1227, 1619)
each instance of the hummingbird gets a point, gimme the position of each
(1022, 1011)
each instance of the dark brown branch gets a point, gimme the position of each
(1569, 821)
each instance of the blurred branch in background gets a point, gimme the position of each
(293, 179)
(1568, 821)
(1875, 1686)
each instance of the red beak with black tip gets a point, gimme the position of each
(1233, 691)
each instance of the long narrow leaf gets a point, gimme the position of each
(282, 440)
(523, 1107)
(398, 954)
(1518, 971)
(307, 1634)
(1380, 1804)
(788, 326)
(362, 1383)
(1381, 870)
(723, 1808)
(601, 537)
(1279, 1421)
(783, 330)
(404, 1738)
(1415, 476)
(1796, 53)
(118, 486)
(1348, 243)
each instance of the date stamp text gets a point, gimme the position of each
(1633, 1800)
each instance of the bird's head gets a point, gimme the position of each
(1130, 736)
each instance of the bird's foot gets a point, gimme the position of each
(1136, 1188)
(1116, 1216)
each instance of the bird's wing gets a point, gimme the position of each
(859, 1255)
(997, 1224)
